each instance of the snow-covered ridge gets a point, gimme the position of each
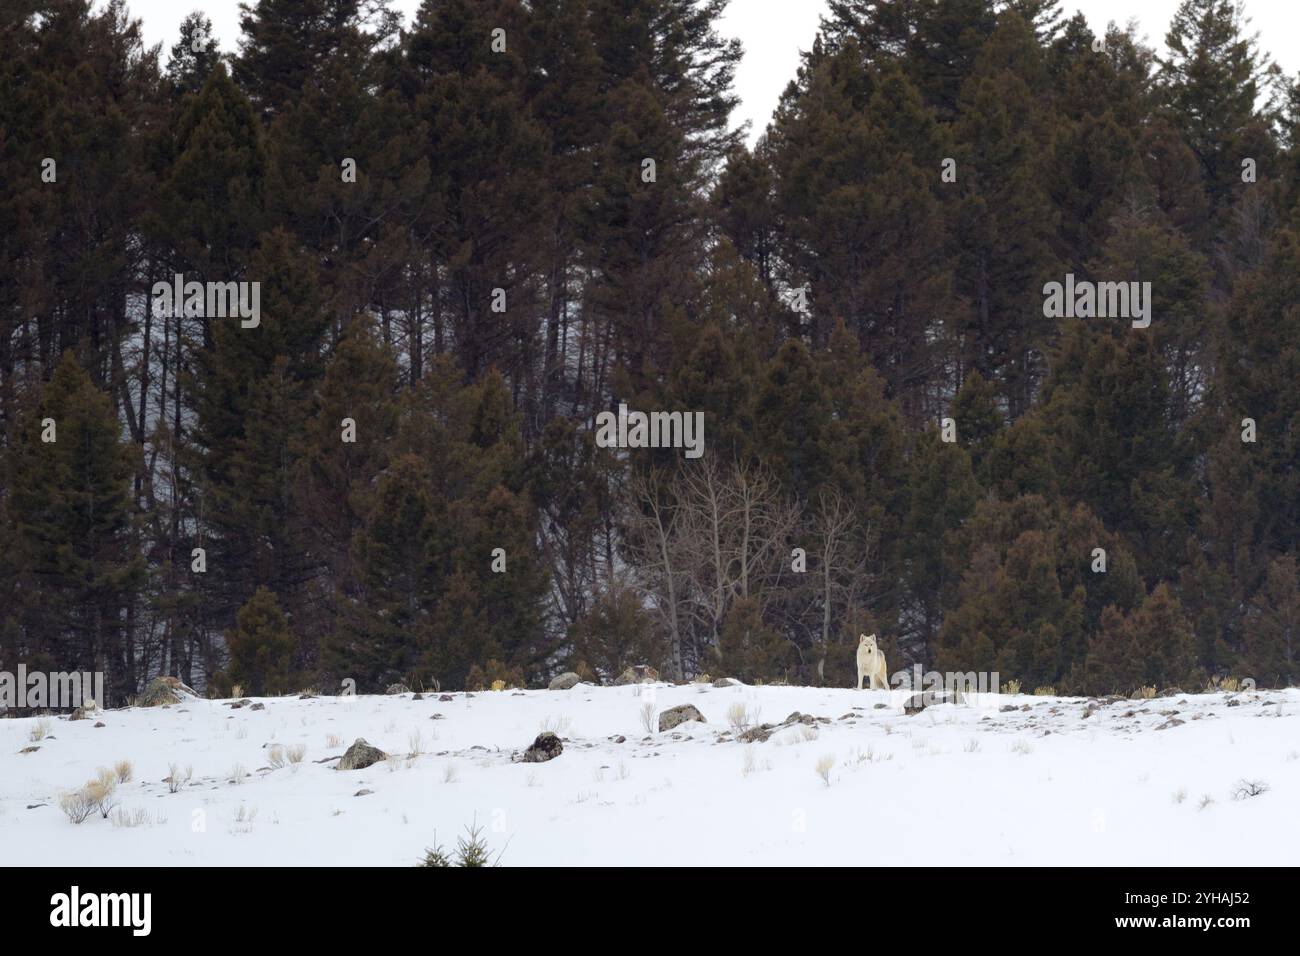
(1000, 780)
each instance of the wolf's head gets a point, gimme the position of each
(868, 642)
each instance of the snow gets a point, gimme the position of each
(953, 785)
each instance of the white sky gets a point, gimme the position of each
(774, 31)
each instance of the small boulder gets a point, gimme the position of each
(446, 697)
(914, 704)
(636, 674)
(726, 682)
(756, 734)
(258, 706)
(564, 681)
(680, 714)
(162, 691)
(546, 747)
(398, 688)
(361, 755)
(363, 792)
(100, 723)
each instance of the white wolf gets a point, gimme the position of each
(871, 663)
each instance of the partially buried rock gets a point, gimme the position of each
(915, 704)
(564, 681)
(398, 688)
(756, 735)
(726, 682)
(680, 714)
(258, 706)
(161, 691)
(546, 747)
(361, 755)
(636, 674)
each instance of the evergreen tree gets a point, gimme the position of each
(261, 647)
(74, 571)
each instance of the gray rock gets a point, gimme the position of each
(636, 674)
(546, 747)
(756, 735)
(914, 704)
(673, 716)
(162, 691)
(398, 688)
(363, 792)
(258, 706)
(361, 755)
(564, 681)
(726, 682)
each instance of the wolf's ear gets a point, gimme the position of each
(863, 638)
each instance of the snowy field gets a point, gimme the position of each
(1004, 780)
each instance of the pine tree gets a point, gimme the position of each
(261, 647)
(252, 396)
(1211, 83)
(1163, 637)
(75, 568)
(1005, 220)
(194, 55)
(1273, 626)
